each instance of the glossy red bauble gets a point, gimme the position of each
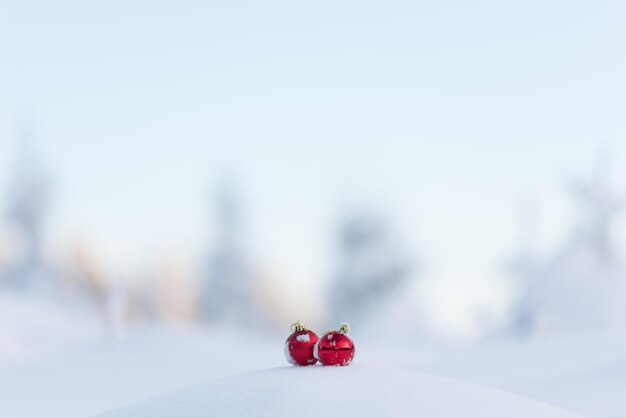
(335, 348)
(299, 346)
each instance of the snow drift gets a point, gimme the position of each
(355, 391)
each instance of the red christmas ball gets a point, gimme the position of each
(299, 346)
(335, 348)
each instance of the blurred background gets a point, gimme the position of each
(451, 172)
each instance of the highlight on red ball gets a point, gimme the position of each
(335, 348)
(299, 346)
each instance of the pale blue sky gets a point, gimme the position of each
(446, 116)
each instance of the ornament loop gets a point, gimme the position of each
(344, 328)
(298, 326)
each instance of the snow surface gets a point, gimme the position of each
(85, 380)
(353, 391)
(34, 325)
(585, 373)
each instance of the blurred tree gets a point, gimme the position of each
(370, 272)
(583, 286)
(598, 207)
(523, 267)
(226, 293)
(26, 212)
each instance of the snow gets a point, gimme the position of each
(90, 379)
(290, 359)
(303, 338)
(580, 291)
(34, 325)
(354, 391)
(584, 374)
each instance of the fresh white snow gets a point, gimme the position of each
(290, 359)
(34, 325)
(581, 373)
(354, 391)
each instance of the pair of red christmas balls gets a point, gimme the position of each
(304, 348)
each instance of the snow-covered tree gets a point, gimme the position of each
(371, 270)
(226, 293)
(583, 286)
(40, 306)
(522, 267)
(26, 214)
